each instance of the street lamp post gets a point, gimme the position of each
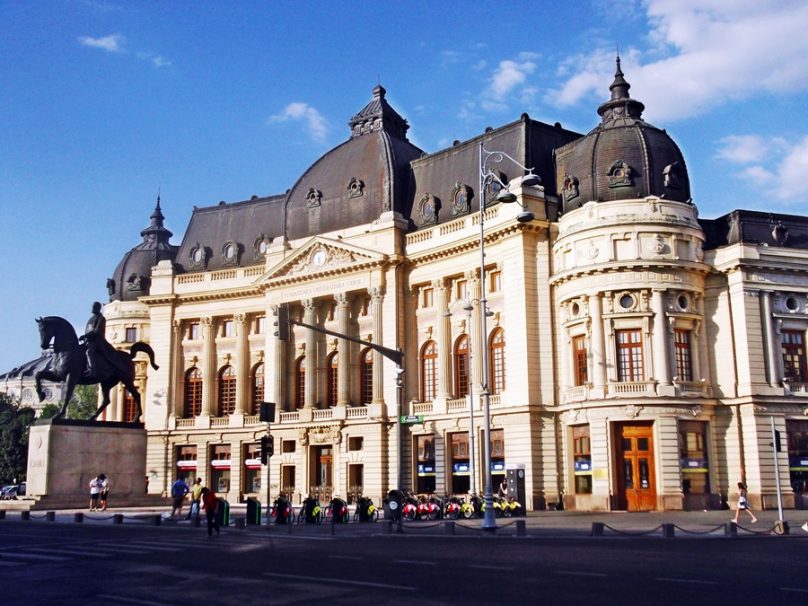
(486, 177)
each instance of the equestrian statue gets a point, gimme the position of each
(86, 360)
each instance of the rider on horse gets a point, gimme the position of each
(96, 340)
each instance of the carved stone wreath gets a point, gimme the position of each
(619, 174)
(313, 198)
(356, 188)
(461, 195)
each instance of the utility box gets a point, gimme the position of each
(253, 512)
(515, 473)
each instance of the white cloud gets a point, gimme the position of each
(771, 162)
(157, 61)
(111, 44)
(314, 120)
(706, 52)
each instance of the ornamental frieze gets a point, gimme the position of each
(324, 434)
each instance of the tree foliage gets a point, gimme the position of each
(84, 402)
(14, 423)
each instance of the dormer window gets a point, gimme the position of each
(230, 253)
(197, 256)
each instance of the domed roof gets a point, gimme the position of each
(358, 180)
(132, 277)
(624, 157)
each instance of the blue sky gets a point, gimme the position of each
(103, 103)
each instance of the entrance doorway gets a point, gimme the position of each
(322, 472)
(634, 458)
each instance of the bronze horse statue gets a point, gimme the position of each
(67, 360)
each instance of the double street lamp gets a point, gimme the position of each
(488, 177)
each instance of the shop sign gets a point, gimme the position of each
(798, 463)
(411, 419)
(583, 466)
(426, 469)
(220, 463)
(694, 465)
(460, 469)
(186, 464)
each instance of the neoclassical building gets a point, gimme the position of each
(637, 355)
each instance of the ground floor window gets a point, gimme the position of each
(460, 462)
(220, 467)
(288, 480)
(693, 457)
(497, 457)
(356, 481)
(425, 457)
(252, 468)
(582, 459)
(186, 463)
(798, 455)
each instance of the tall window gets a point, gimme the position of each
(193, 392)
(582, 459)
(684, 363)
(429, 370)
(462, 291)
(497, 357)
(579, 360)
(227, 391)
(227, 328)
(693, 457)
(300, 382)
(366, 376)
(131, 334)
(629, 356)
(193, 331)
(495, 281)
(260, 325)
(794, 366)
(332, 364)
(128, 407)
(426, 297)
(462, 366)
(257, 380)
(797, 433)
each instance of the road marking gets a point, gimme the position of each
(118, 549)
(300, 577)
(32, 556)
(484, 567)
(120, 598)
(793, 589)
(579, 573)
(82, 553)
(344, 557)
(152, 547)
(689, 581)
(415, 562)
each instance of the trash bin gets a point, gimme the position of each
(393, 505)
(253, 512)
(223, 513)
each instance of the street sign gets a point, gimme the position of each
(410, 419)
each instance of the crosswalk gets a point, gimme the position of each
(65, 552)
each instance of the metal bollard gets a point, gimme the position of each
(731, 529)
(50, 516)
(668, 531)
(597, 529)
(781, 527)
(157, 519)
(521, 528)
(78, 517)
(449, 528)
(117, 518)
(25, 515)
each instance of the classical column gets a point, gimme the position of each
(598, 345)
(343, 357)
(310, 317)
(279, 377)
(208, 366)
(701, 334)
(242, 363)
(773, 375)
(377, 298)
(441, 289)
(177, 366)
(475, 292)
(662, 372)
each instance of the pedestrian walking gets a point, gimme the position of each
(196, 498)
(211, 503)
(743, 504)
(95, 492)
(104, 494)
(178, 491)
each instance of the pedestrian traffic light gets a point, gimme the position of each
(267, 449)
(282, 322)
(266, 412)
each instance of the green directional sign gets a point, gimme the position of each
(410, 419)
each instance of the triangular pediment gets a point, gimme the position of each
(322, 256)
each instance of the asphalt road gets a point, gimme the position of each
(42, 563)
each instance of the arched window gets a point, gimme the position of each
(227, 391)
(192, 397)
(429, 370)
(366, 376)
(300, 382)
(257, 388)
(332, 366)
(497, 360)
(462, 366)
(128, 407)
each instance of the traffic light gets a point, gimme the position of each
(266, 413)
(267, 449)
(282, 322)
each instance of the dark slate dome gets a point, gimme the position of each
(132, 277)
(624, 157)
(357, 181)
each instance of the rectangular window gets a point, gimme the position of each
(629, 356)
(693, 457)
(426, 297)
(287, 446)
(461, 464)
(356, 443)
(227, 328)
(186, 463)
(425, 456)
(579, 355)
(797, 432)
(193, 331)
(684, 364)
(131, 334)
(260, 325)
(794, 366)
(461, 290)
(220, 468)
(252, 468)
(495, 281)
(582, 459)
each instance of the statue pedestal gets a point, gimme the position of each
(64, 455)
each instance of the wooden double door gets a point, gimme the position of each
(636, 484)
